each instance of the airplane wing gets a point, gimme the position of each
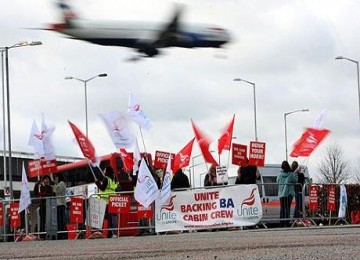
(166, 35)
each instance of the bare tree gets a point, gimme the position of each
(333, 168)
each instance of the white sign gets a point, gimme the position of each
(221, 174)
(228, 206)
(97, 212)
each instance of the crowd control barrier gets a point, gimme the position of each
(90, 216)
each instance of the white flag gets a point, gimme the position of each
(146, 190)
(35, 140)
(25, 199)
(116, 124)
(343, 201)
(320, 119)
(49, 152)
(136, 114)
(136, 157)
(165, 192)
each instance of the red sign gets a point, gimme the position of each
(239, 154)
(119, 204)
(313, 197)
(144, 212)
(257, 154)
(331, 199)
(41, 167)
(161, 159)
(76, 210)
(15, 220)
(1, 214)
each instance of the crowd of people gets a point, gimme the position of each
(290, 182)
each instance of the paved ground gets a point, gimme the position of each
(339, 242)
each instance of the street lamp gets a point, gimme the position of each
(85, 87)
(285, 115)
(358, 79)
(253, 84)
(6, 51)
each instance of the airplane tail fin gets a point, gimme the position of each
(68, 13)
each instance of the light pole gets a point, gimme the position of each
(6, 50)
(85, 81)
(358, 79)
(193, 166)
(285, 115)
(253, 84)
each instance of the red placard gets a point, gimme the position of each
(257, 154)
(144, 212)
(331, 198)
(41, 167)
(76, 210)
(239, 152)
(15, 220)
(313, 197)
(1, 214)
(161, 159)
(119, 204)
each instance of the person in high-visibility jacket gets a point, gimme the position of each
(107, 186)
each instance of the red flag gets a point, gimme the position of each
(224, 142)
(204, 144)
(182, 159)
(309, 140)
(86, 146)
(127, 159)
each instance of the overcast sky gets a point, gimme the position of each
(287, 48)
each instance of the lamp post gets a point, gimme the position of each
(6, 51)
(358, 78)
(285, 115)
(253, 84)
(85, 81)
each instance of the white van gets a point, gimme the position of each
(268, 189)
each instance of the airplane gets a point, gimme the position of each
(146, 38)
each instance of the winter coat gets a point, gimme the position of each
(288, 178)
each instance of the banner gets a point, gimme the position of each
(144, 212)
(76, 210)
(257, 154)
(15, 220)
(229, 206)
(221, 174)
(41, 167)
(119, 204)
(343, 202)
(165, 191)
(161, 159)
(331, 198)
(313, 197)
(239, 152)
(97, 209)
(1, 214)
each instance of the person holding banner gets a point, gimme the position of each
(107, 186)
(298, 188)
(210, 177)
(286, 181)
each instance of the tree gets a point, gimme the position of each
(333, 168)
(357, 171)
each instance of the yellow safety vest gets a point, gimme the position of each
(110, 189)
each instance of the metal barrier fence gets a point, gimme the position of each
(126, 218)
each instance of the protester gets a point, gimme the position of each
(298, 189)
(211, 179)
(107, 186)
(286, 180)
(60, 191)
(180, 180)
(43, 189)
(247, 174)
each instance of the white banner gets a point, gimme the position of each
(97, 209)
(343, 202)
(229, 206)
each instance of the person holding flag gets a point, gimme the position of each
(107, 186)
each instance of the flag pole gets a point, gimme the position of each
(142, 138)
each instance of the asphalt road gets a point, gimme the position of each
(340, 242)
